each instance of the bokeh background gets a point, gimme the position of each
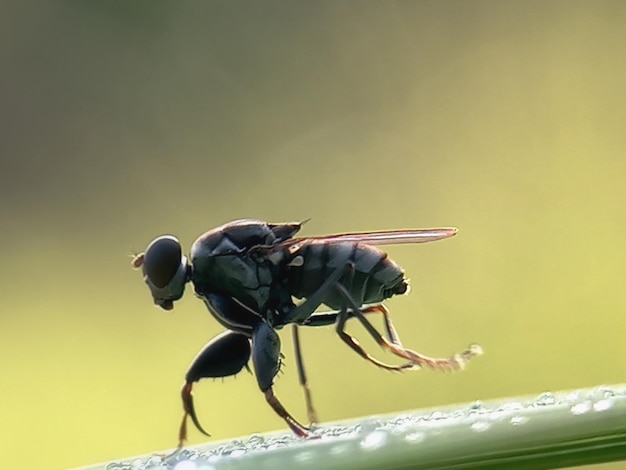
(125, 120)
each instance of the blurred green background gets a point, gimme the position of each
(125, 120)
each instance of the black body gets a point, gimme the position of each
(246, 260)
(248, 272)
(374, 278)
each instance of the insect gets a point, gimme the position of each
(248, 273)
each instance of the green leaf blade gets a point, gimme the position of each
(547, 431)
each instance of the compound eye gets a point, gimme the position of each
(162, 259)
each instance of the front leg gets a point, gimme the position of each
(225, 355)
(266, 362)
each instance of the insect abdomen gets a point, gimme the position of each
(375, 277)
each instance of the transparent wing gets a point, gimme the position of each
(386, 237)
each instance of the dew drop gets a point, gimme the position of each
(415, 437)
(374, 440)
(187, 454)
(512, 406)
(185, 465)
(238, 451)
(581, 408)
(476, 406)
(155, 463)
(480, 426)
(603, 405)
(545, 399)
(304, 457)
(601, 392)
(371, 425)
(212, 458)
(437, 415)
(255, 441)
(518, 420)
(339, 449)
(335, 431)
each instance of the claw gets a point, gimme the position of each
(190, 412)
(295, 426)
(457, 362)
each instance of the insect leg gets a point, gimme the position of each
(224, 355)
(266, 361)
(356, 311)
(455, 362)
(325, 319)
(302, 377)
(330, 318)
(342, 318)
(302, 312)
(389, 328)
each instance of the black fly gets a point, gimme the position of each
(248, 273)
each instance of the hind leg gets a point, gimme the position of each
(452, 363)
(330, 318)
(326, 319)
(302, 377)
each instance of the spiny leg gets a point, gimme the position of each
(327, 319)
(330, 318)
(302, 377)
(389, 328)
(302, 313)
(305, 310)
(299, 315)
(224, 355)
(342, 318)
(266, 362)
(455, 362)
